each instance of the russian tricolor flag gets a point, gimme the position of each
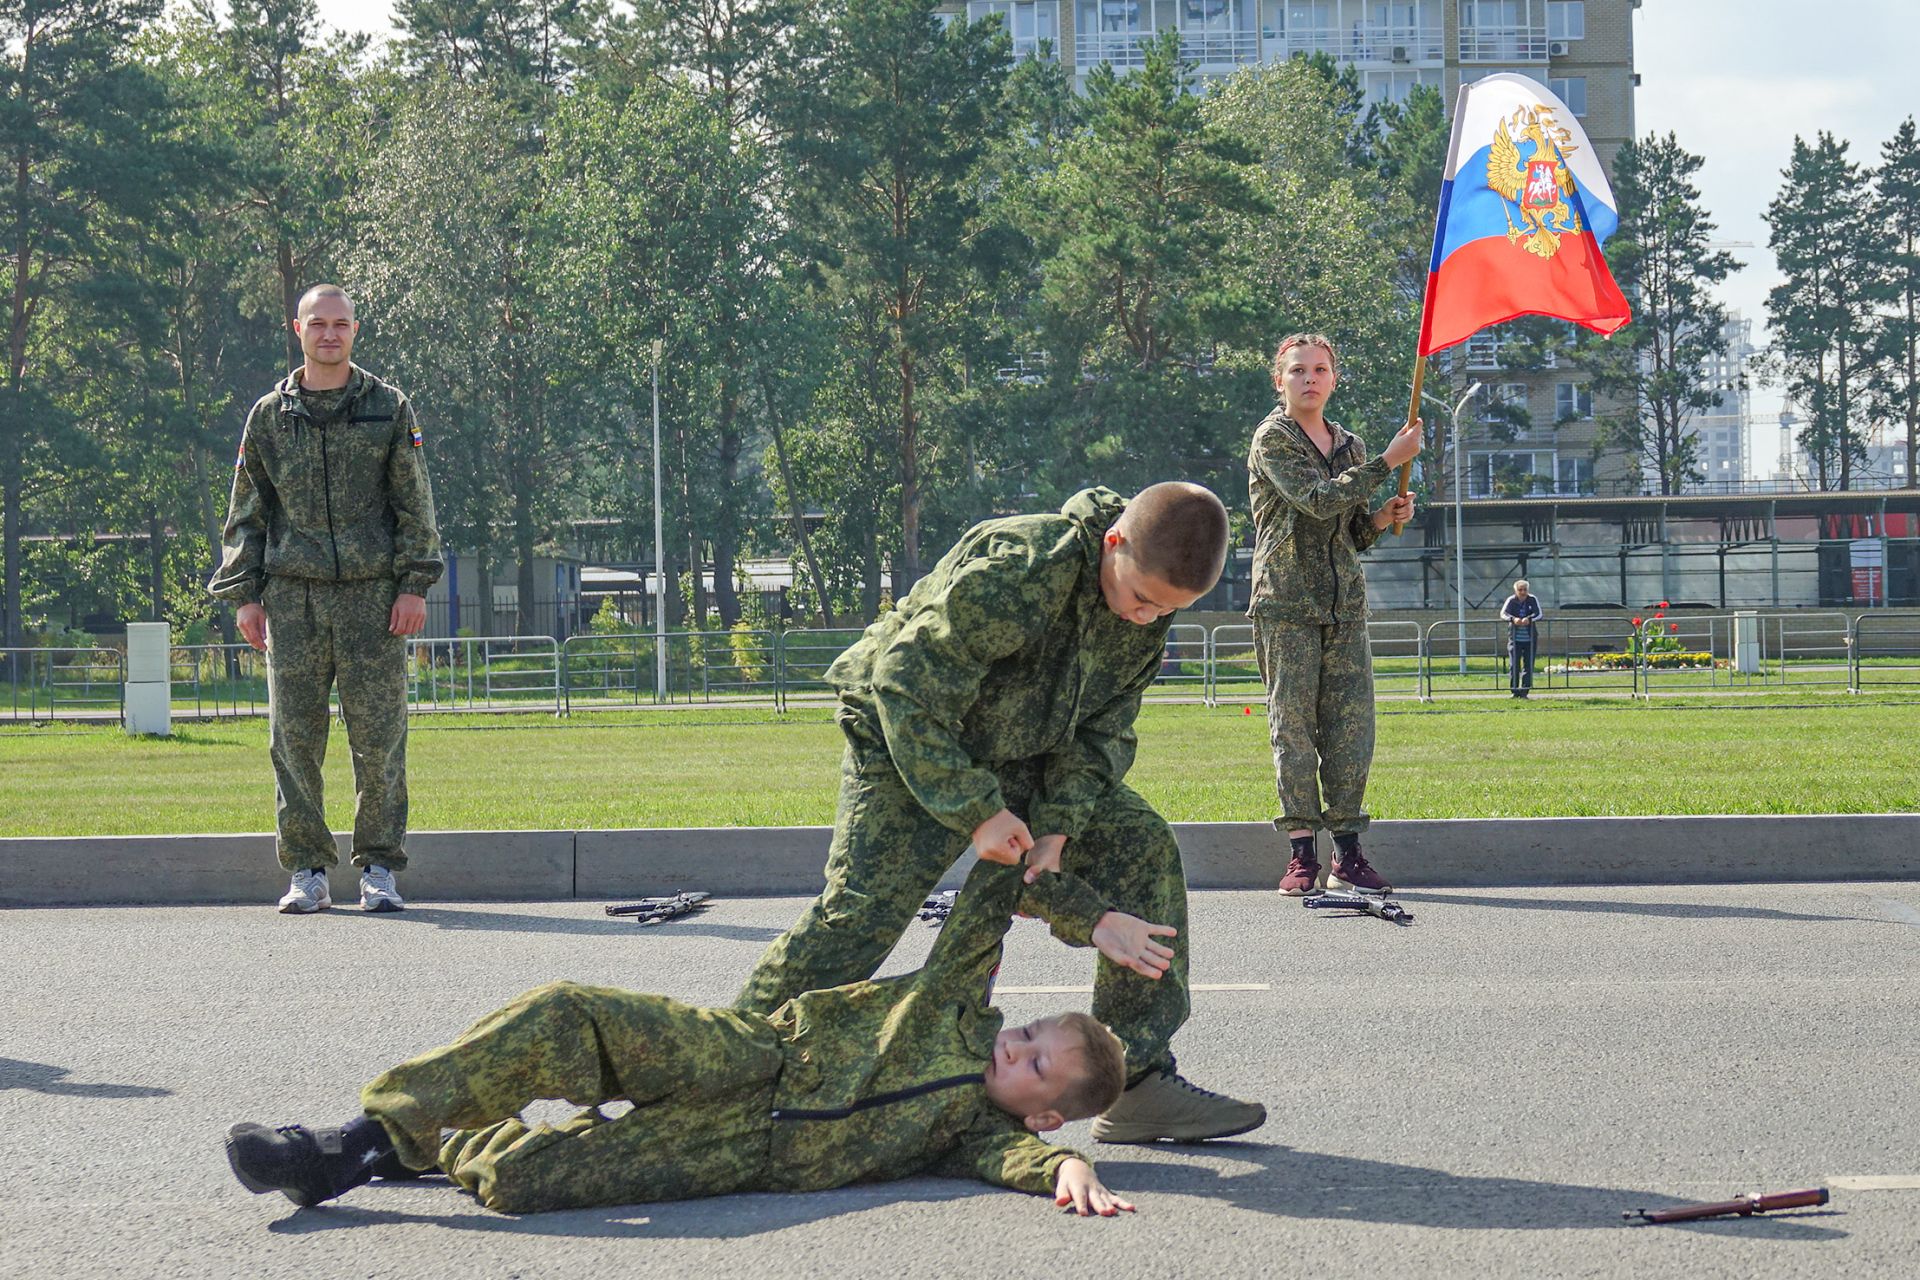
(1523, 213)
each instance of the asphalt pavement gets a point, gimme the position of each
(1480, 1094)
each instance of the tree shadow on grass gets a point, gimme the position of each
(1312, 1185)
(1664, 910)
(43, 1077)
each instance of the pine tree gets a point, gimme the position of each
(78, 121)
(1898, 188)
(885, 133)
(1831, 251)
(1655, 368)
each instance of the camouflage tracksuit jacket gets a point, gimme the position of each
(340, 498)
(1312, 518)
(1007, 651)
(885, 1078)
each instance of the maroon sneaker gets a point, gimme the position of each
(1304, 876)
(1351, 870)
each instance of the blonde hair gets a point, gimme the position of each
(1293, 340)
(1103, 1068)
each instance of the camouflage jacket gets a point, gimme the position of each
(340, 498)
(1312, 517)
(886, 1078)
(1007, 651)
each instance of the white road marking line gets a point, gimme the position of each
(1071, 991)
(1874, 1182)
(1898, 910)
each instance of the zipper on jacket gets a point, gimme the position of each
(878, 1099)
(326, 481)
(1333, 563)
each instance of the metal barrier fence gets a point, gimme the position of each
(805, 656)
(608, 670)
(1886, 650)
(1591, 655)
(1184, 664)
(53, 684)
(1674, 654)
(465, 673)
(217, 680)
(1234, 669)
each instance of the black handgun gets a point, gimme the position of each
(654, 910)
(1371, 904)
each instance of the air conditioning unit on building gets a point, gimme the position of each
(1400, 53)
(1557, 48)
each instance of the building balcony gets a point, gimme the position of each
(1483, 354)
(1504, 44)
(1361, 42)
(1209, 50)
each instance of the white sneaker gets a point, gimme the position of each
(307, 893)
(377, 892)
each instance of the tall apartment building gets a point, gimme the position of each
(1722, 430)
(1581, 49)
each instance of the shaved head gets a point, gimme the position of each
(1179, 533)
(318, 292)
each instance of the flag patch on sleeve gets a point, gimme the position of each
(414, 433)
(240, 459)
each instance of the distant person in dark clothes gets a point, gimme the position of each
(1522, 612)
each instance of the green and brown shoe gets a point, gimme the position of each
(1167, 1107)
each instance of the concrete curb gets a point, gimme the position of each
(532, 866)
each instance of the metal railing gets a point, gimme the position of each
(1500, 43)
(217, 680)
(1886, 650)
(468, 673)
(1123, 49)
(75, 683)
(1183, 665)
(1570, 654)
(1233, 673)
(1679, 653)
(805, 655)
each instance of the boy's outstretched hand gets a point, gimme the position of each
(1128, 941)
(1078, 1189)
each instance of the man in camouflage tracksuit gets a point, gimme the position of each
(1007, 683)
(876, 1080)
(1312, 485)
(330, 549)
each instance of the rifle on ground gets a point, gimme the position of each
(1745, 1205)
(1369, 903)
(937, 907)
(655, 910)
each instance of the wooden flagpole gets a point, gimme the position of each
(1413, 411)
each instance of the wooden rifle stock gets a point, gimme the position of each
(1745, 1205)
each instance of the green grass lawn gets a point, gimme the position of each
(1769, 754)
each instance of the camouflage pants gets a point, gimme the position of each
(701, 1083)
(888, 853)
(1320, 717)
(320, 634)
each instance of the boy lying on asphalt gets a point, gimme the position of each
(874, 1080)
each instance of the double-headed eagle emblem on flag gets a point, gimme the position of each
(1527, 167)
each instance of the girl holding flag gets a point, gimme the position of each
(1312, 485)
(1524, 211)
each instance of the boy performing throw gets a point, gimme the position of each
(996, 705)
(875, 1080)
